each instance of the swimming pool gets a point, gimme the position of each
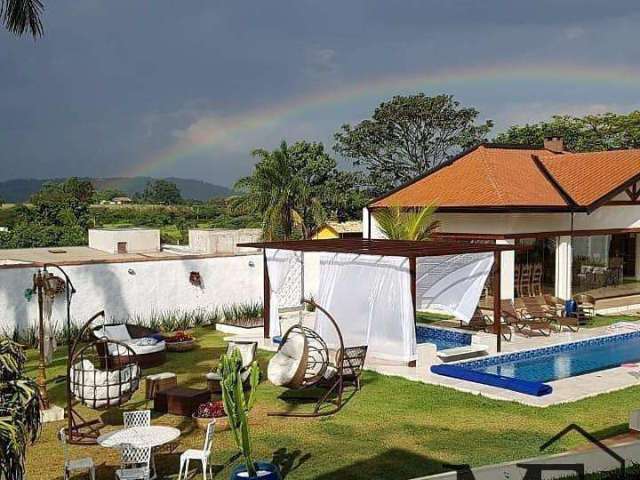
(562, 361)
(442, 338)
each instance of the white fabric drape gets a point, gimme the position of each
(452, 283)
(370, 298)
(280, 264)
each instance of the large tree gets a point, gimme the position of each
(163, 192)
(407, 136)
(22, 16)
(589, 133)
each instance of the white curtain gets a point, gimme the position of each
(452, 283)
(370, 299)
(281, 264)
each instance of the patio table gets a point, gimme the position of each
(140, 437)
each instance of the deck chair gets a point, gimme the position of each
(482, 322)
(535, 316)
(556, 311)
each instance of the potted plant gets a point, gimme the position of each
(180, 341)
(238, 404)
(211, 411)
(20, 404)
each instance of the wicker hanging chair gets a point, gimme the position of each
(94, 381)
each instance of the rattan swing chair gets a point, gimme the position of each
(94, 381)
(305, 358)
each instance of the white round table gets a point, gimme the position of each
(140, 437)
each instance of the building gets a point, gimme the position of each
(339, 230)
(576, 216)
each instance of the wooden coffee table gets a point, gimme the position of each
(180, 400)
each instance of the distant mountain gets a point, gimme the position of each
(19, 190)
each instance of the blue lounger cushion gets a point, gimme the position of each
(537, 389)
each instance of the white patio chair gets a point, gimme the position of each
(137, 418)
(135, 463)
(203, 456)
(76, 464)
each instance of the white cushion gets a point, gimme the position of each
(93, 386)
(283, 366)
(140, 346)
(113, 332)
(247, 351)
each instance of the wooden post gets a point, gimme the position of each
(266, 314)
(412, 275)
(41, 380)
(497, 311)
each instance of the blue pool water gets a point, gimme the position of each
(562, 361)
(441, 338)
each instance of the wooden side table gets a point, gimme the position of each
(159, 382)
(181, 401)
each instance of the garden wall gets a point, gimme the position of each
(136, 288)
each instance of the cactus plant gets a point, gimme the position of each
(238, 403)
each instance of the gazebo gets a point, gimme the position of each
(435, 257)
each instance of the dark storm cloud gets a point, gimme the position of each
(112, 83)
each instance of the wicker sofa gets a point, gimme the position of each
(148, 354)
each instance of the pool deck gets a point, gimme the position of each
(564, 391)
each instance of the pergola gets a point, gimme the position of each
(397, 248)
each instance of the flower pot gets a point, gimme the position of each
(184, 346)
(266, 471)
(222, 423)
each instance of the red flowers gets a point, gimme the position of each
(211, 410)
(179, 337)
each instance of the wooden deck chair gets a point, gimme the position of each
(536, 317)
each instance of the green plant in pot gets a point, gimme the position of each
(19, 410)
(238, 404)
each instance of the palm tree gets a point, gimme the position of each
(407, 224)
(19, 410)
(280, 195)
(20, 16)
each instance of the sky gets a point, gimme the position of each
(190, 88)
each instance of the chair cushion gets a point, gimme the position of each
(113, 332)
(140, 346)
(99, 388)
(283, 366)
(247, 352)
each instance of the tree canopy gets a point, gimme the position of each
(162, 192)
(607, 131)
(408, 136)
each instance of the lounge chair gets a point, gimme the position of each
(482, 322)
(535, 316)
(248, 351)
(146, 343)
(556, 311)
(586, 304)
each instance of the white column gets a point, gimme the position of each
(365, 222)
(507, 270)
(563, 267)
(637, 273)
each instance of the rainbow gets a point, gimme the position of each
(487, 75)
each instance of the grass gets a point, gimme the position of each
(393, 428)
(432, 317)
(606, 320)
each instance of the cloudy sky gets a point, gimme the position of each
(188, 88)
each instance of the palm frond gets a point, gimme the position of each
(20, 16)
(413, 224)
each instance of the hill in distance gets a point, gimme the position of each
(19, 190)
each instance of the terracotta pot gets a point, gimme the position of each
(222, 423)
(181, 346)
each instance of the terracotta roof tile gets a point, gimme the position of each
(587, 177)
(485, 177)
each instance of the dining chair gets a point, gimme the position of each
(76, 464)
(135, 463)
(203, 456)
(137, 418)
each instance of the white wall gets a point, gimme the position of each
(137, 239)
(153, 285)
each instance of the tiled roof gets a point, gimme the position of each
(486, 176)
(502, 177)
(587, 177)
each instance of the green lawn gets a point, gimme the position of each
(393, 428)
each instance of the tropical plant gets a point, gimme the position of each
(407, 224)
(280, 192)
(20, 16)
(19, 410)
(238, 404)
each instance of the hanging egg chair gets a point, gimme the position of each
(96, 382)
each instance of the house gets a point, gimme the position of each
(576, 216)
(121, 200)
(338, 230)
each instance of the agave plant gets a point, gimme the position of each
(237, 403)
(19, 410)
(407, 224)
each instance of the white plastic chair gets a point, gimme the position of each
(76, 464)
(137, 418)
(135, 463)
(203, 456)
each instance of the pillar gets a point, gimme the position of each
(564, 256)
(637, 266)
(507, 265)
